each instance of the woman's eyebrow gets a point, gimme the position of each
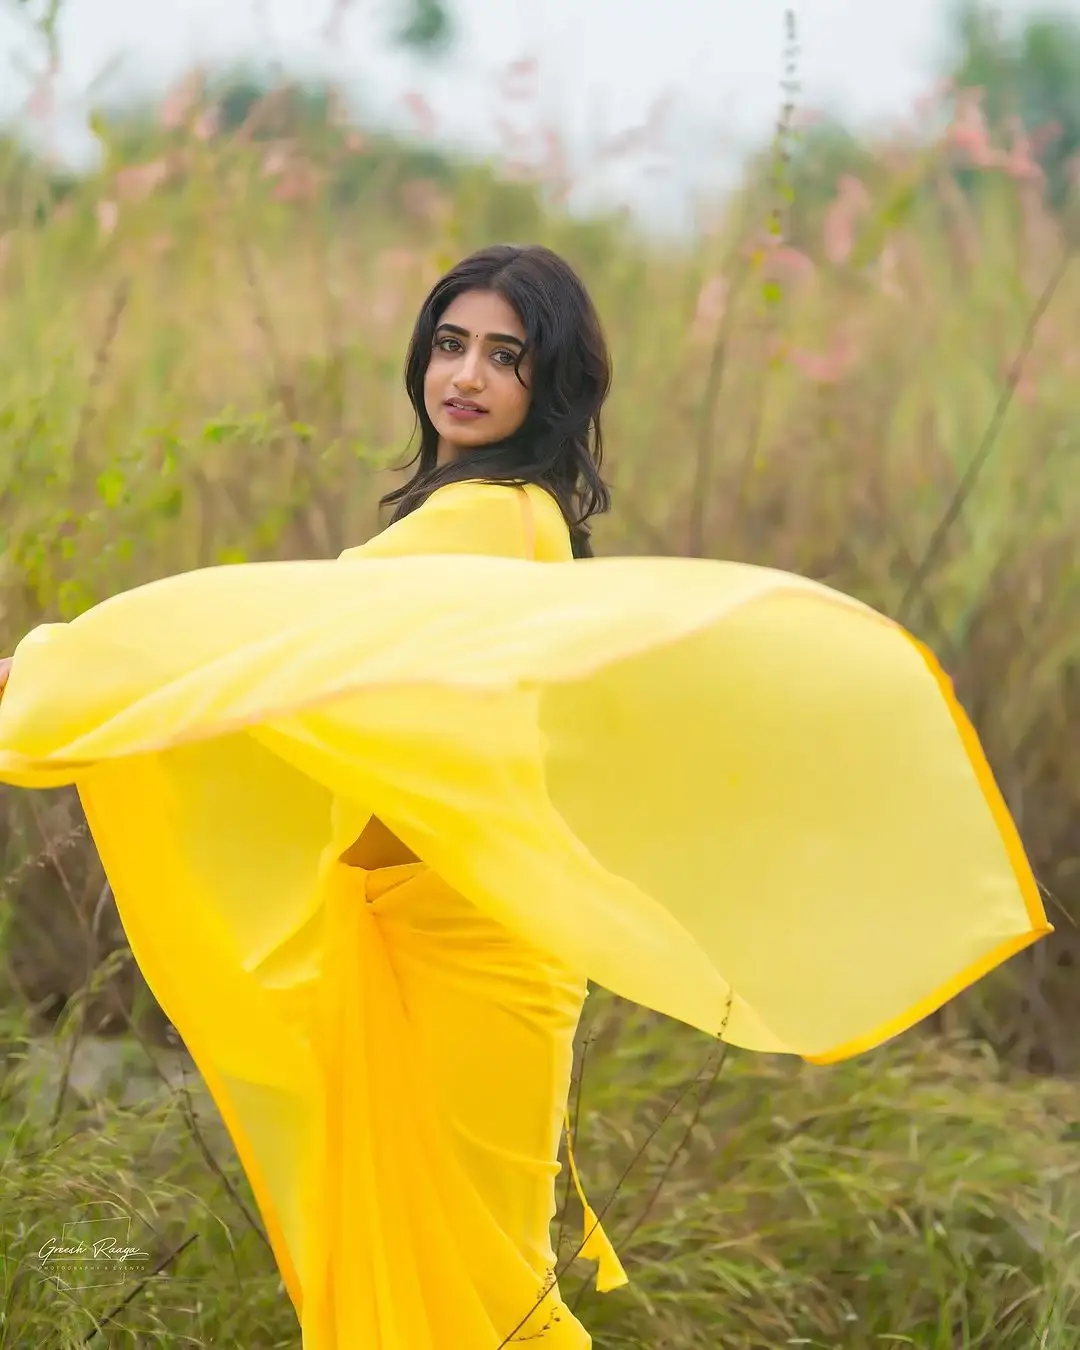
(488, 337)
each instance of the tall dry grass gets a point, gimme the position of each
(200, 363)
(928, 1201)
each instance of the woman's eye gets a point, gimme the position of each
(505, 358)
(448, 344)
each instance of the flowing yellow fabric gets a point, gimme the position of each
(727, 793)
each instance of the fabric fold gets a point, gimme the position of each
(726, 793)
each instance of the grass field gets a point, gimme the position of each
(925, 1197)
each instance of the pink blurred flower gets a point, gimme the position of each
(205, 126)
(1019, 161)
(889, 272)
(1026, 391)
(1070, 359)
(297, 182)
(824, 367)
(108, 215)
(783, 263)
(422, 112)
(553, 161)
(805, 119)
(396, 261)
(968, 133)
(41, 105)
(334, 28)
(181, 101)
(136, 182)
(851, 202)
(711, 305)
(1043, 137)
(519, 170)
(425, 201)
(521, 79)
(276, 160)
(928, 103)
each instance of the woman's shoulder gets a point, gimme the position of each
(477, 517)
(529, 508)
(552, 532)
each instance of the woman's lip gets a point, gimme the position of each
(464, 414)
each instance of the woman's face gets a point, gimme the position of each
(471, 388)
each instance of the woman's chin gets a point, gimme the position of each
(461, 443)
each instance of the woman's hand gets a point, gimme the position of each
(5, 671)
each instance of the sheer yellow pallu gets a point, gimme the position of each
(726, 793)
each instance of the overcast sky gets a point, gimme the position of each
(603, 63)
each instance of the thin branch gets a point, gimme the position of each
(989, 441)
(161, 1266)
(704, 1097)
(561, 1268)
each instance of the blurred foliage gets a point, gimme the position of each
(427, 27)
(1029, 68)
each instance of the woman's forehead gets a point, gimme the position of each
(483, 312)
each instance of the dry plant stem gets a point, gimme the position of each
(953, 510)
(121, 295)
(92, 956)
(87, 409)
(562, 1267)
(1025, 521)
(752, 451)
(714, 380)
(212, 1162)
(704, 1096)
(779, 224)
(575, 1116)
(260, 307)
(706, 438)
(160, 1268)
(946, 649)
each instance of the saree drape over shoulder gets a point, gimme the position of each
(727, 793)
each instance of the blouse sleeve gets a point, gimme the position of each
(487, 518)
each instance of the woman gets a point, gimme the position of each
(371, 825)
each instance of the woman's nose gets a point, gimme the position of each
(469, 374)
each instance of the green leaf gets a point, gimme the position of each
(170, 503)
(216, 431)
(112, 487)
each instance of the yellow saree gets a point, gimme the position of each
(729, 794)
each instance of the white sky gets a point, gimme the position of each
(603, 63)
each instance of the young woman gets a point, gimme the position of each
(372, 824)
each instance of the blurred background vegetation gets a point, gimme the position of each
(866, 368)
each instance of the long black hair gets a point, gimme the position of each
(560, 444)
